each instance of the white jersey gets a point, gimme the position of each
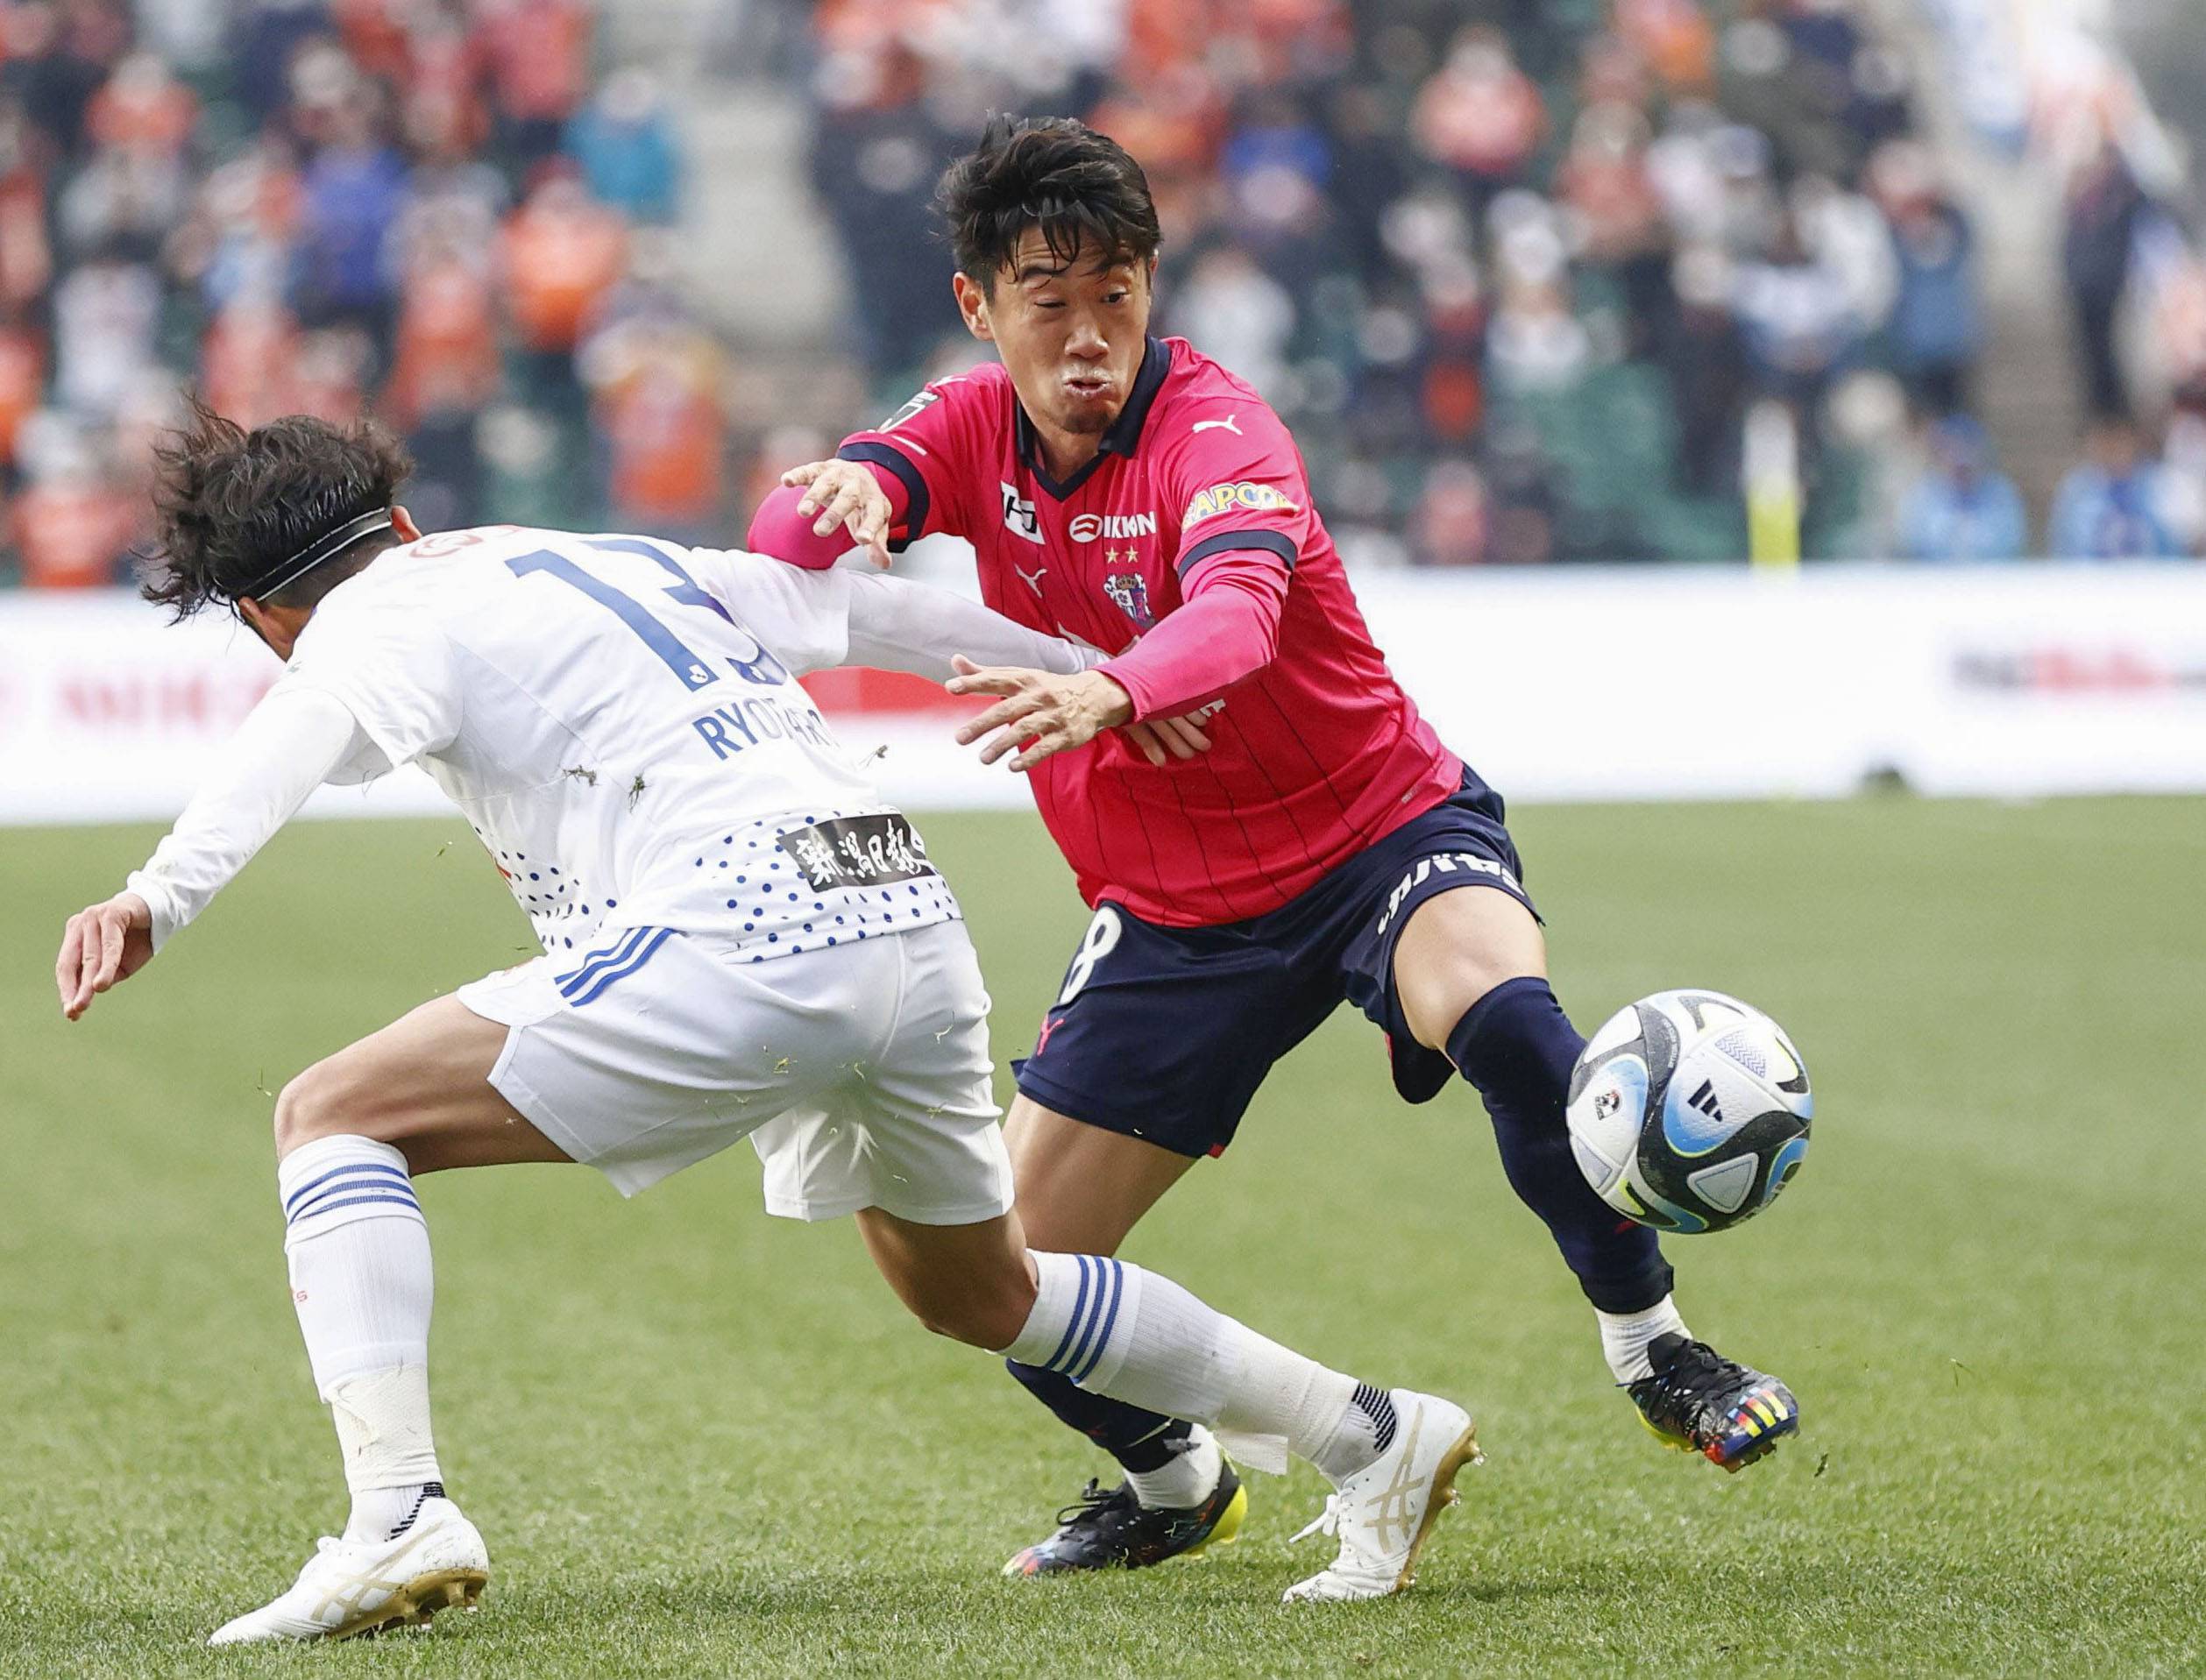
(619, 719)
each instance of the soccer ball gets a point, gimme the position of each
(1689, 1111)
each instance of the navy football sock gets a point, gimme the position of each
(1139, 1440)
(1517, 1047)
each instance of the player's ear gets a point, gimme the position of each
(261, 623)
(972, 303)
(403, 526)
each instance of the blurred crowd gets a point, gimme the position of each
(1518, 271)
(1532, 280)
(432, 208)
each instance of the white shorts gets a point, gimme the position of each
(859, 1073)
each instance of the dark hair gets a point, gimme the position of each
(1082, 189)
(231, 505)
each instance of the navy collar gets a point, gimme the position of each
(1123, 437)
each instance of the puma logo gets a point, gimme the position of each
(1033, 579)
(1227, 424)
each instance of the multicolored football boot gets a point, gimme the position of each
(1115, 1531)
(1698, 1401)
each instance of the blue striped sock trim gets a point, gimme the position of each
(321, 1200)
(1094, 1315)
(1079, 1302)
(618, 952)
(371, 1167)
(608, 976)
(354, 1202)
(1110, 1319)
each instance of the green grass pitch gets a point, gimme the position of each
(704, 1441)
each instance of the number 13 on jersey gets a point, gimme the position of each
(677, 654)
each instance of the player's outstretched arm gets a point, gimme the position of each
(898, 626)
(823, 509)
(916, 628)
(814, 618)
(1227, 632)
(293, 742)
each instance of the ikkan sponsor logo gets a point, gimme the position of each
(1115, 528)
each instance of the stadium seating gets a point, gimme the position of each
(1514, 272)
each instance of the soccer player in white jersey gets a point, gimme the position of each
(740, 940)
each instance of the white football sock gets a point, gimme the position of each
(1184, 1481)
(1625, 1337)
(1139, 1337)
(361, 1283)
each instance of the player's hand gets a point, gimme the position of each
(1040, 714)
(1159, 738)
(845, 493)
(102, 946)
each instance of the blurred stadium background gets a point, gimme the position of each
(1714, 400)
(1893, 293)
(1535, 280)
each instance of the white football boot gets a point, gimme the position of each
(351, 1586)
(1382, 1514)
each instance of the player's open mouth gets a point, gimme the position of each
(1087, 388)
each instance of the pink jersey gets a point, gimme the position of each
(1313, 758)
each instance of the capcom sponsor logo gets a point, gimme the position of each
(1245, 497)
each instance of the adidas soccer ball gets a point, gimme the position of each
(1689, 1111)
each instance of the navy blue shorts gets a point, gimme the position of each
(1163, 1033)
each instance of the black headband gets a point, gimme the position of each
(290, 572)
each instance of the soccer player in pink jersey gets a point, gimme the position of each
(1261, 821)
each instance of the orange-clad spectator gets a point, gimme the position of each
(668, 438)
(375, 33)
(1454, 391)
(245, 361)
(1274, 37)
(658, 408)
(538, 55)
(1479, 113)
(143, 108)
(447, 354)
(22, 377)
(72, 531)
(870, 51)
(561, 251)
(1174, 122)
(443, 111)
(1675, 36)
(26, 260)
